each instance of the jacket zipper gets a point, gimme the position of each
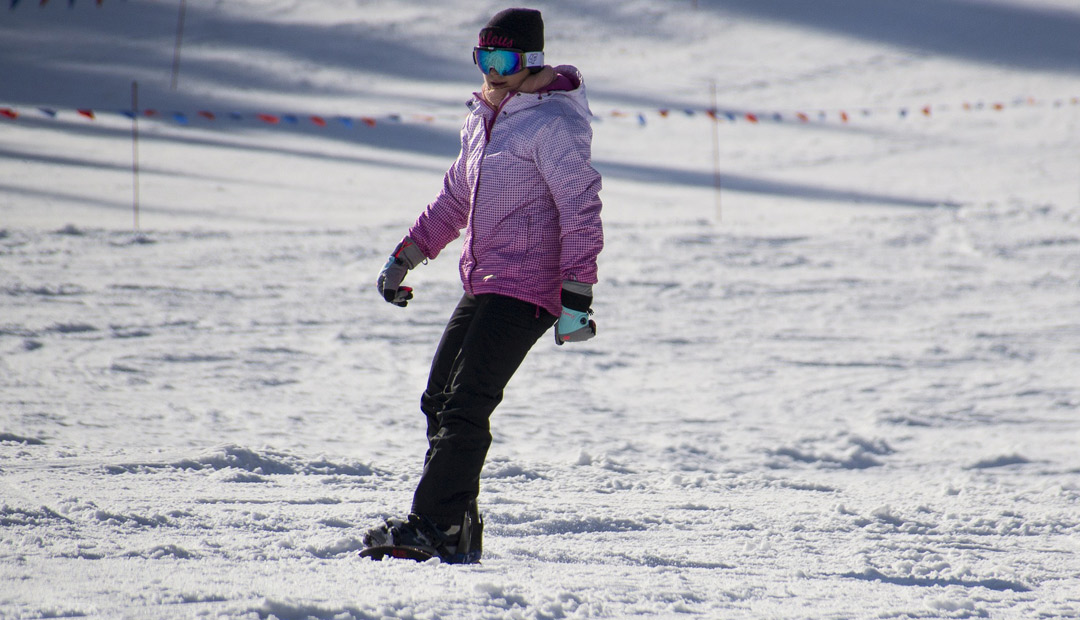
(476, 190)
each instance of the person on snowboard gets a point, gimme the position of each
(524, 190)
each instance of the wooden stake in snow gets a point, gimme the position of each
(135, 152)
(176, 48)
(716, 148)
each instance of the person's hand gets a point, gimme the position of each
(574, 324)
(404, 257)
(389, 283)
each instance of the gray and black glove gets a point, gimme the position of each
(404, 257)
(574, 324)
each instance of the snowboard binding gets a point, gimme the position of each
(417, 538)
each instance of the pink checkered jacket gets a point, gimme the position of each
(525, 193)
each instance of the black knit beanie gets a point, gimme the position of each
(521, 29)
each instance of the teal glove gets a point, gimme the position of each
(574, 324)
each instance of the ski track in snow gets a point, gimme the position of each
(853, 396)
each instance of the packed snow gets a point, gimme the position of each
(844, 384)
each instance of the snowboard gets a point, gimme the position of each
(402, 552)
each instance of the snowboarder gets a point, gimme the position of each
(524, 190)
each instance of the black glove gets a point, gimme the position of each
(574, 324)
(404, 257)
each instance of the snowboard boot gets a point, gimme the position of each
(422, 534)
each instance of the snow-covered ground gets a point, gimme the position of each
(846, 387)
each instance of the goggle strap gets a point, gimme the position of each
(534, 59)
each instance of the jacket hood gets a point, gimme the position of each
(576, 94)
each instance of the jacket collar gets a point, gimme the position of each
(517, 101)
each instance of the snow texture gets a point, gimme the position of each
(846, 389)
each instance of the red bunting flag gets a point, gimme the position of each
(268, 118)
(751, 117)
(367, 120)
(318, 120)
(9, 113)
(711, 114)
(843, 116)
(208, 115)
(664, 113)
(926, 111)
(87, 113)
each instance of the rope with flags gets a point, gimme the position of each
(717, 115)
(845, 115)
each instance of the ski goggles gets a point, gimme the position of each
(505, 61)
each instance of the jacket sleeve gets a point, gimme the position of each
(442, 220)
(564, 158)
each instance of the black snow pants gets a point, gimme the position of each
(486, 339)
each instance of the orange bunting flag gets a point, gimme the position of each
(711, 114)
(664, 113)
(843, 116)
(367, 120)
(926, 111)
(803, 117)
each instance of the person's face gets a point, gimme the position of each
(513, 81)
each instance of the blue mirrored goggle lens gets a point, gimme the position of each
(504, 62)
